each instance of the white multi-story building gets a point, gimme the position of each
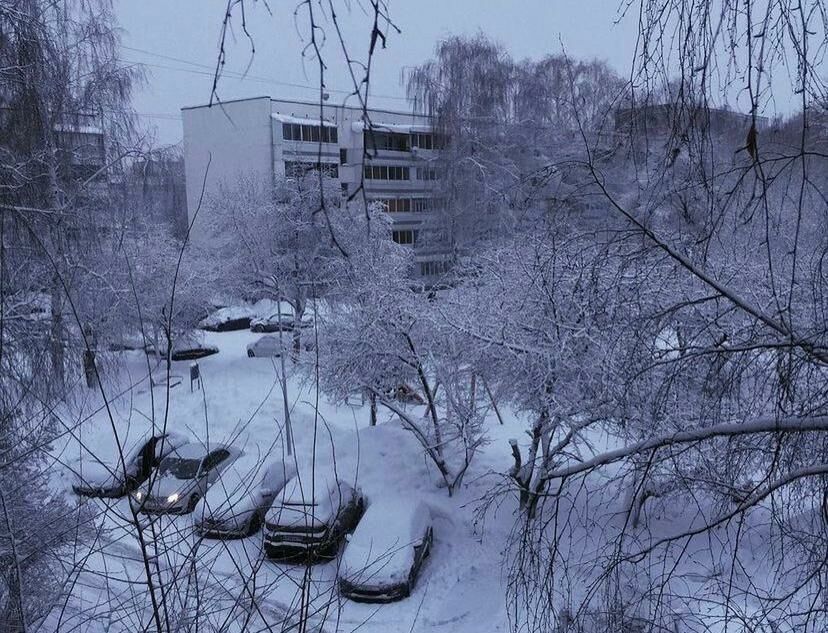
(393, 157)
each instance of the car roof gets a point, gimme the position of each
(392, 519)
(196, 450)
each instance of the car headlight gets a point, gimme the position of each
(139, 495)
(173, 498)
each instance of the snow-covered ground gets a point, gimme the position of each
(461, 586)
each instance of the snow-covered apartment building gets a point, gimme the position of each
(273, 138)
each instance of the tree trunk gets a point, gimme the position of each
(56, 352)
(373, 400)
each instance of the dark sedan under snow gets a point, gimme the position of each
(114, 478)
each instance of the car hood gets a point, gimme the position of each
(298, 517)
(163, 487)
(378, 565)
(95, 474)
(223, 510)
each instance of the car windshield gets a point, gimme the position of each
(179, 467)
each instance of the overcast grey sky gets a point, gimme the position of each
(178, 43)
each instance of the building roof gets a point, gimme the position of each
(327, 104)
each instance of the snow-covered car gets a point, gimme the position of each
(235, 506)
(279, 322)
(384, 555)
(190, 346)
(182, 478)
(269, 346)
(113, 478)
(310, 517)
(227, 319)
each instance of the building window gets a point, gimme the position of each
(423, 141)
(429, 269)
(427, 173)
(426, 140)
(291, 132)
(343, 156)
(309, 133)
(295, 169)
(397, 205)
(386, 141)
(407, 236)
(387, 172)
(424, 205)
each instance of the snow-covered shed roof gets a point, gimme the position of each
(286, 118)
(402, 128)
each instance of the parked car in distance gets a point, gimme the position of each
(227, 319)
(113, 478)
(182, 478)
(269, 345)
(279, 322)
(310, 517)
(190, 346)
(235, 506)
(384, 555)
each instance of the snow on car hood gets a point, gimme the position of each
(163, 487)
(97, 474)
(304, 504)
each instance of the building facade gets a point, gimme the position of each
(393, 157)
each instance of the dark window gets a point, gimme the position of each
(423, 141)
(295, 169)
(392, 141)
(404, 237)
(343, 156)
(386, 172)
(427, 173)
(428, 269)
(309, 133)
(291, 132)
(397, 205)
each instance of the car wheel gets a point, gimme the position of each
(255, 524)
(250, 353)
(193, 501)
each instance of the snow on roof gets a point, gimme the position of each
(285, 118)
(404, 128)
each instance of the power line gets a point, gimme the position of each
(237, 75)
